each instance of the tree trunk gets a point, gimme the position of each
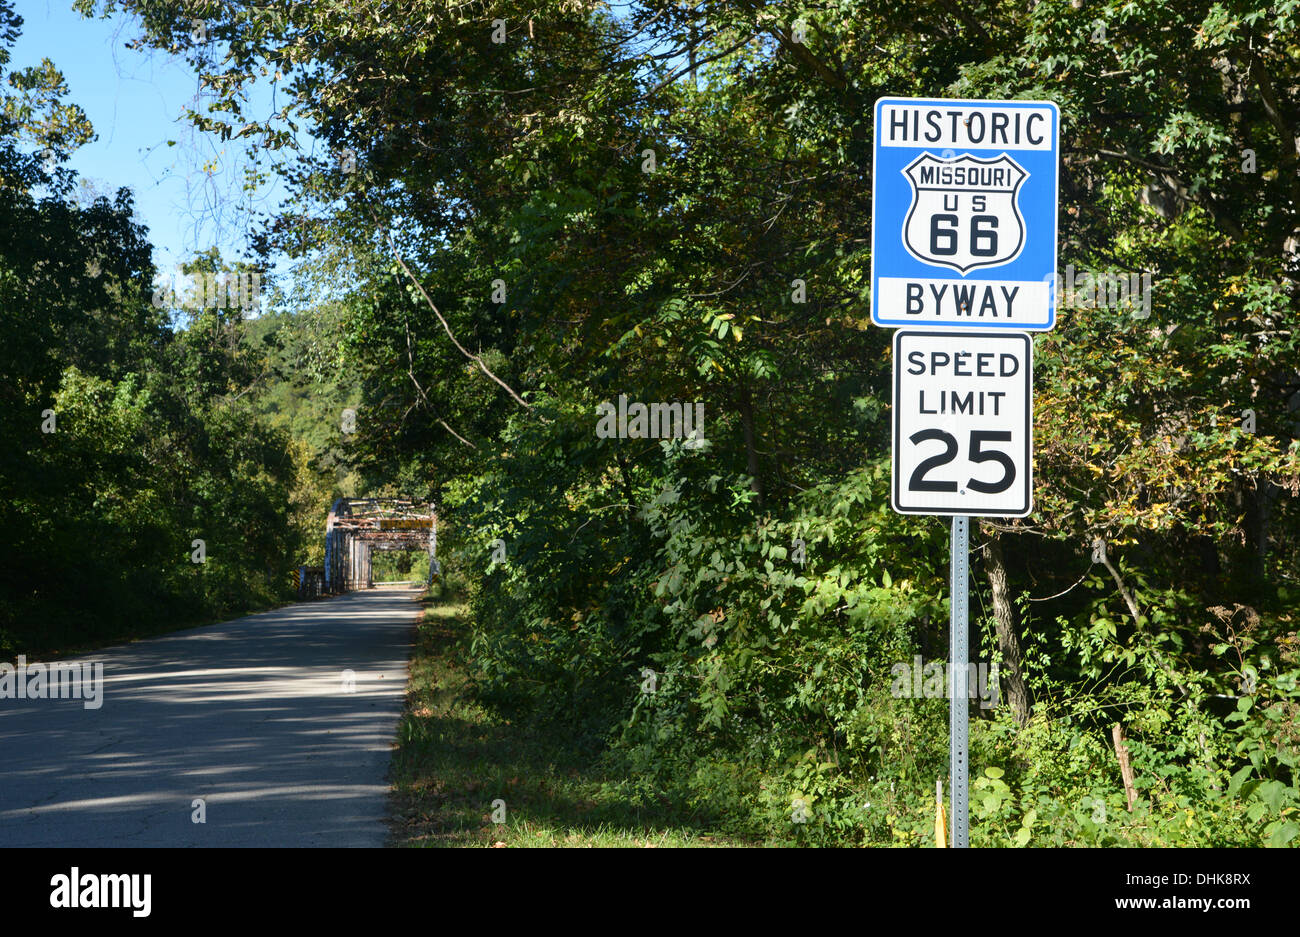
(1004, 617)
(751, 453)
(1258, 514)
(1125, 765)
(1099, 546)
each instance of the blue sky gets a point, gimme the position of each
(135, 100)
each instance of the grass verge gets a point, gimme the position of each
(455, 766)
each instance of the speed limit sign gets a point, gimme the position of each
(963, 437)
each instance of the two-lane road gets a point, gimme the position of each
(251, 716)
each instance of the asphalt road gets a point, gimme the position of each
(249, 715)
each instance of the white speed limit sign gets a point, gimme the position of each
(963, 433)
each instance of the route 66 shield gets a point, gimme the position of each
(964, 211)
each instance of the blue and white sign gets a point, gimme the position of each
(963, 230)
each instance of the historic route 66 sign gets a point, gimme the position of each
(964, 214)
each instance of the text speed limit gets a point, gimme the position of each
(963, 419)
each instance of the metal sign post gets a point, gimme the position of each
(958, 675)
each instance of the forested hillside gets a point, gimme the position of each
(517, 212)
(128, 452)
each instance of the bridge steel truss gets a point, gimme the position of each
(359, 526)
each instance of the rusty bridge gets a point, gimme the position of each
(359, 526)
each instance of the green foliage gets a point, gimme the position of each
(122, 439)
(773, 709)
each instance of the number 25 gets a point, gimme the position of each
(978, 437)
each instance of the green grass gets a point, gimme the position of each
(453, 760)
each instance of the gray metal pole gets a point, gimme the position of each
(958, 674)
